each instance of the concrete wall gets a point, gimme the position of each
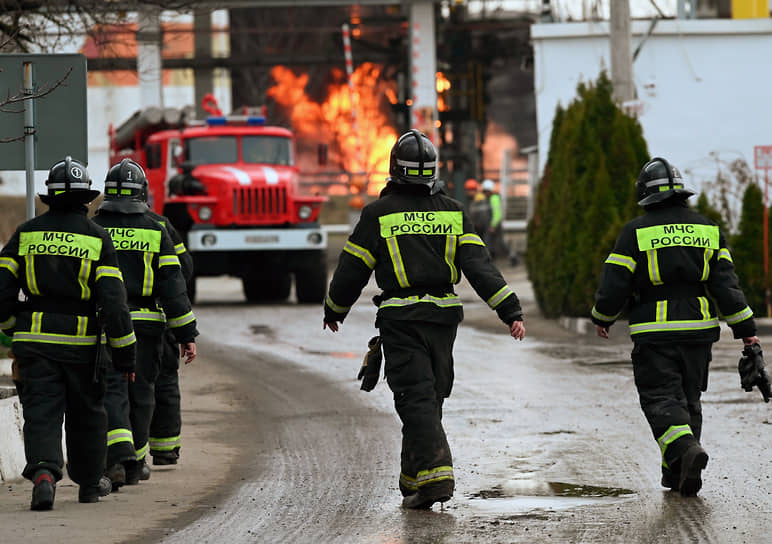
(11, 423)
(704, 84)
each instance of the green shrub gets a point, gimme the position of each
(587, 192)
(748, 249)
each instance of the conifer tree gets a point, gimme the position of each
(586, 194)
(748, 249)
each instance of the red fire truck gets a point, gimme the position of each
(230, 185)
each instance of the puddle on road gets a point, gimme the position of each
(522, 496)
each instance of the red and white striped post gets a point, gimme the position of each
(349, 74)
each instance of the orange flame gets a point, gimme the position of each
(443, 85)
(359, 144)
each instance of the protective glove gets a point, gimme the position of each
(370, 372)
(752, 371)
(124, 358)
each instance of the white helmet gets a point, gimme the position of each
(488, 185)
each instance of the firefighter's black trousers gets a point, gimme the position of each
(670, 379)
(120, 445)
(419, 369)
(54, 391)
(166, 424)
(141, 396)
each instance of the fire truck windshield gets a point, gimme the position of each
(267, 150)
(212, 150)
(254, 149)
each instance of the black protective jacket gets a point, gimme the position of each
(151, 271)
(67, 267)
(419, 245)
(674, 270)
(186, 260)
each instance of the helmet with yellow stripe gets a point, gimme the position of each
(69, 181)
(125, 187)
(659, 181)
(414, 160)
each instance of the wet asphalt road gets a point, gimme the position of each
(548, 439)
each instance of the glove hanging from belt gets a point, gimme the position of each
(752, 371)
(370, 372)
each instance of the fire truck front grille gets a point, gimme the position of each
(265, 202)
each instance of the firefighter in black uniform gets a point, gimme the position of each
(67, 267)
(166, 425)
(419, 242)
(673, 269)
(152, 274)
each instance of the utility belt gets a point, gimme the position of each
(142, 302)
(59, 306)
(435, 291)
(672, 291)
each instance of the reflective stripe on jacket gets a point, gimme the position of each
(419, 246)
(65, 263)
(674, 270)
(151, 271)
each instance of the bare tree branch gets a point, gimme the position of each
(43, 91)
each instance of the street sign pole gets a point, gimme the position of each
(766, 244)
(29, 137)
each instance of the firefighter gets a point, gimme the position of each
(471, 188)
(166, 424)
(67, 268)
(674, 267)
(419, 242)
(151, 270)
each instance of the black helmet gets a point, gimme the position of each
(69, 181)
(658, 181)
(413, 160)
(125, 188)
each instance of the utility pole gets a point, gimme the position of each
(621, 51)
(149, 63)
(203, 78)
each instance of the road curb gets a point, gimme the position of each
(12, 459)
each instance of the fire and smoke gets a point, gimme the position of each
(364, 150)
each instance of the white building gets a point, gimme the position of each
(703, 85)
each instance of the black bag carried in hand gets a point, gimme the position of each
(370, 372)
(752, 371)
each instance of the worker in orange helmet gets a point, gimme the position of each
(472, 188)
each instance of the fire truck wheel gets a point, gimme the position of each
(267, 286)
(311, 284)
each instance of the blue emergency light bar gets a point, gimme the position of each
(222, 120)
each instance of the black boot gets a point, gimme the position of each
(117, 476)
(91, 493)
(692, 463)
(44, 491)
(144, 472)
(134, 472)
(425, 497)
(671, 477)
(166, 457)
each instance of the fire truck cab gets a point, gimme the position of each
(230, 186)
